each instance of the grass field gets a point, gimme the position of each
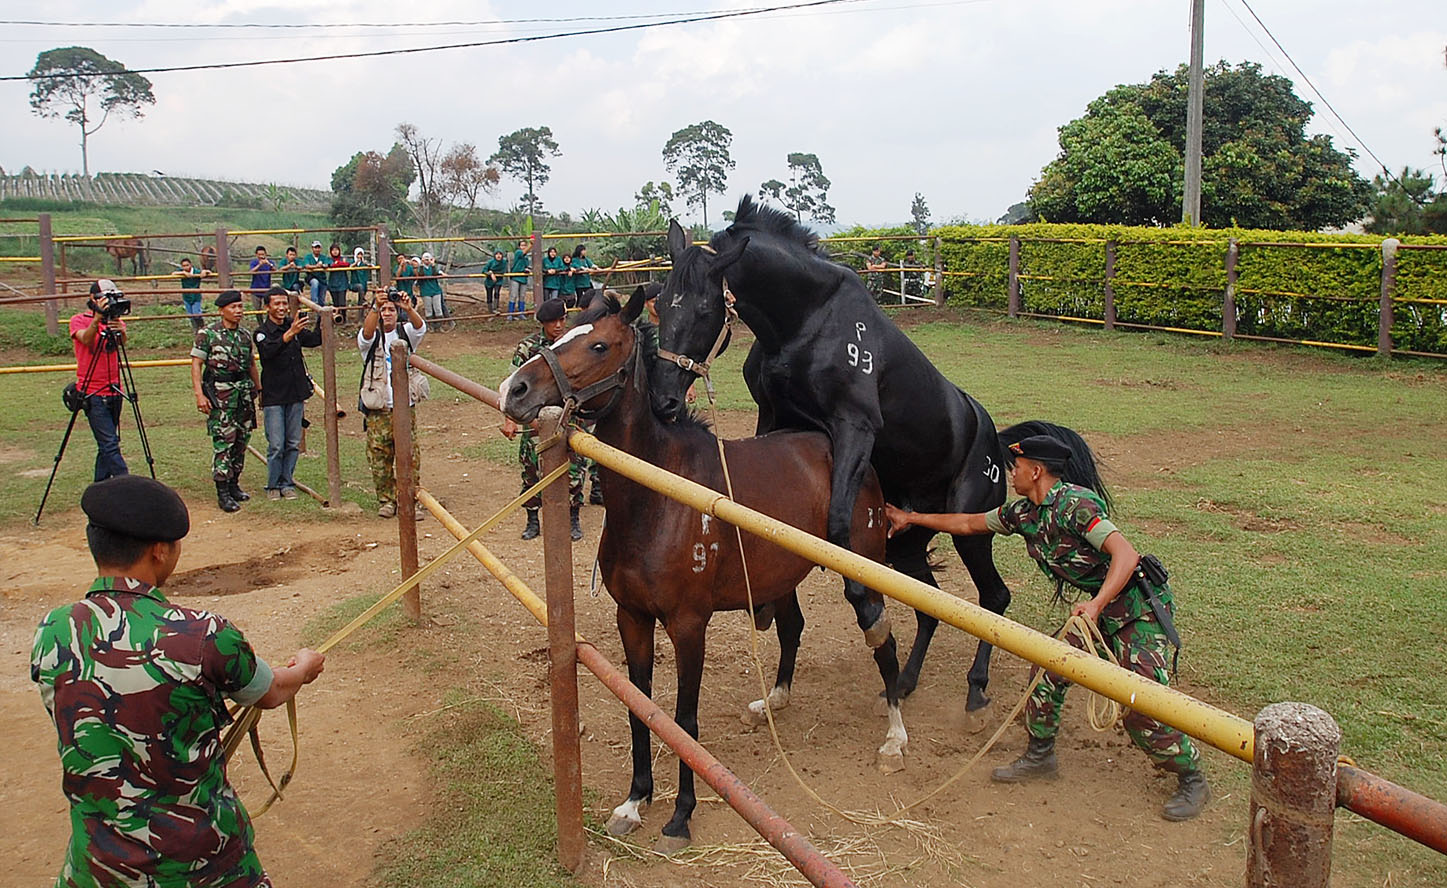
(1297, 496)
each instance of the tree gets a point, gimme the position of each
(661, 194)
(808, 189)
(919, 214)
(67, 79)
(1407, 204)
(699, 156)
(1122, 161)
(523, 155)
(372, 187)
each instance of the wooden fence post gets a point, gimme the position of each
(562, 660)
(47, 272)
(384, 258)
(403, 467)
(1293, 797)
(223, 259)
(1014, 305)
(329, 406)
(1384, 308)
(1110, 285)
(1228, 299)
(939, 272)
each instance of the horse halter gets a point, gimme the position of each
(572, 399)
(700, 368)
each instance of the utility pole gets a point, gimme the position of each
(1191, 202)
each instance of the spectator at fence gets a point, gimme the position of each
(285, 387)
(913, 278)
(568, 290)
(582, 274)
(429, 287)
(291, 272)
(496, 271)
(261, 269)
(552, 318)
(98, 377)
(225, 380)
(137, 688)
(376, 393)
(552, 274)
(1067, 532)
(875, 266)
(361, 277)
(191, 292)
(339, 279)
(518, 282)
(314, 265)
(402, 278)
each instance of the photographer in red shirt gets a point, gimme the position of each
(98, 376)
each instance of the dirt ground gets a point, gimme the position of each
(362, 780)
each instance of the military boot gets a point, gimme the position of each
(234, 485)
(1190, 799)
(1038, 761)
(575, 529)
(224, 498)
(533, 528)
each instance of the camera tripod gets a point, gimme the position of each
(111, 341)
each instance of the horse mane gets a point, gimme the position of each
(1083, 467)
(757, 216)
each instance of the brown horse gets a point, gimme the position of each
(208, 257)
(132, 248)
(663, 561)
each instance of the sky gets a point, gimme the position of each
(958, 100)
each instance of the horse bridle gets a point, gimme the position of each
(700, 368)
(573, 399)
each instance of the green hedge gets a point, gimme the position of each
(1173, 277)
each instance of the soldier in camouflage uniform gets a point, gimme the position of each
(226, 381)
(137, 688)
(552, 315)
(1068, 534)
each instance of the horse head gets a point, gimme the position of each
(586, 369)
(692, 313)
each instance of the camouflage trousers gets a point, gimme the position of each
(1140, 646)
(528, 459)
(382, 454)
(230, 428)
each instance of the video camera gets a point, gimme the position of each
(117, 305)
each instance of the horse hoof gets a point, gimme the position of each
(889, 762)
(671, 845)
(752, 717)
(976, 700)
(618, 825)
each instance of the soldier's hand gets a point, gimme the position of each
(898, 519)
(1089, 609)
(311, 663)
(203, 405)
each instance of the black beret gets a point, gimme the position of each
(1041, 447)
(138, 507)
(552, 310)
(227, 298)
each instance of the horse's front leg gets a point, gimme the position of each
(636, 631)
(789, 623)
(687, 632)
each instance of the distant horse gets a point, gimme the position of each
(208, 257)
(132, 248)
(664, 561)
(826, 358)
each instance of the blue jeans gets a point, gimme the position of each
(317, 285)
(283, 443)
(104, 414)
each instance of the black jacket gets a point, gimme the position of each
(283, 374)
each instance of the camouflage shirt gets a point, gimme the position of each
(1065, 535)
(226, 354)
(136, 687)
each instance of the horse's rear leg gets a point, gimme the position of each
(890, 757)
(687, 633)
(975, 552)
(789, 623)
(907, 553)
(636, 632)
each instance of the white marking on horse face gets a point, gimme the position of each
(706, 519)
(574, 333)
(502, 393)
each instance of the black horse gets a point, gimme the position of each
(826, 358)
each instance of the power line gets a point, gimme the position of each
(737, 13)
(314, 25)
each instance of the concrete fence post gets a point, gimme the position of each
(1228, 298)
(1384, 308)
(1110, 248)
(1293, 797)
(47, 272)
(1014, 305)
(403, 466)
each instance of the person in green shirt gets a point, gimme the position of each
(496, 271)
(582, 276)
(1068, 534)
(191, 292)
(552, 274)
(361, 275)
(568, 290)
(314, 266)
(429, 287)
(402, 278)
(290, 271)
(518, 281)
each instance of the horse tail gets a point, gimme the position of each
(1082, 468)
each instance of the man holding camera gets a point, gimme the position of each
(95, 333)
(286, 386)
(225, 379)
(376, 392)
